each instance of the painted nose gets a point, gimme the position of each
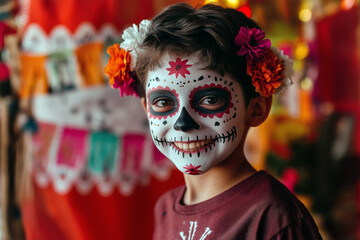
(185, 122)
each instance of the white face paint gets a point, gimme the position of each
(196, 116)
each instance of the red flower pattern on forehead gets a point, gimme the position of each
(178, 67)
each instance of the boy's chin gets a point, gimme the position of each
(199, 162)
(195, 166)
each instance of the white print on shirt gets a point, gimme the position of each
(192, 230)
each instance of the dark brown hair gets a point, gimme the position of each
(209, 30)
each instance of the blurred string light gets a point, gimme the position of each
(232, 3)
(305, 15)
(347, 4)
(237, 4)
(211, 1)
(306, 84)
(301, 51)
(306, 10)
(245, 10)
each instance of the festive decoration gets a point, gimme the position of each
(266, 74)
(118, 70)
(133, 37)
(70, 154)
(288, 70)
(33, 75)
(252, 43)
(72, 189)
(103, 156)
(270, 70)
(89, 63)
(123, 58)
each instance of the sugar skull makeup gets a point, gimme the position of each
(196, 116)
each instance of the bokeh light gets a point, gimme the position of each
(301, 51)
(245, 10)
(305, 15)
(211, 1)
(347, 4)
(233, 3)
(306, 84)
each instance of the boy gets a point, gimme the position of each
(205, 76)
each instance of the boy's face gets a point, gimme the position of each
(196, 116)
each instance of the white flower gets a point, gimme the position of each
(133, 37)
(288, 71)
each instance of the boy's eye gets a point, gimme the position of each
(162, 104)
(211, 102)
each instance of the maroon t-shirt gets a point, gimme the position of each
(259, 207)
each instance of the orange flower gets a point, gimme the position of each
(266, 75)
(118, 66)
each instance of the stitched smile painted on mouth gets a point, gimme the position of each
(196, 146)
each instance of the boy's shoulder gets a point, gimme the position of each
(270, 192)
(264, 191)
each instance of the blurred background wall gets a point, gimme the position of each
(77, 161)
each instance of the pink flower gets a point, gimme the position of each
(192, 169)
(127, 87)
(252, 43)
(178, 67)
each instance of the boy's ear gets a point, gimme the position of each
(143, 104)
(258, 110)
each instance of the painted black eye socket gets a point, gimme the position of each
(162, 102)
(211, 100)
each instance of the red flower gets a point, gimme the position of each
(178, 67)
(192, 169)
(266, 75)
(118, 70)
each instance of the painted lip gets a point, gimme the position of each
(193, 146)
(205, 144)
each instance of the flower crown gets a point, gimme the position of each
(270, 70)
(122, 61)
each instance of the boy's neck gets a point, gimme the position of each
(228, 173)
